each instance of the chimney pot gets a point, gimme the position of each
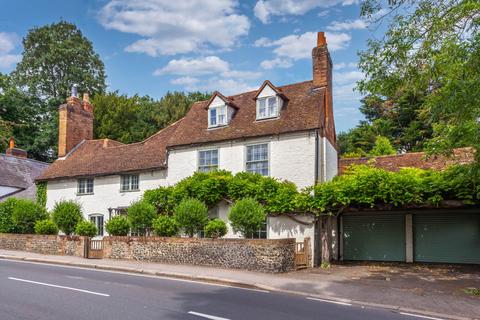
(11, 143)
(74, 90)
(321, 40)
(86, 97)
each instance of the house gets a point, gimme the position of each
(286, 132)
(18, 173)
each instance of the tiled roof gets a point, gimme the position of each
(302, 111)
(104, 157)
(411, 160)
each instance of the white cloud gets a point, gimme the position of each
(225, 86)
(263, 42)
(348, 77)
(347, 25)
(185, 81)
(172, 27)
(344, 65)
(194, 67)
(276, 63)
(265, 9)
(8, 43)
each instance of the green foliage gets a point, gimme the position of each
(46, 226)
(66, 215)
(165, 226)
(86, 229)
(140, 215)
(41, 193)
(382, 147)
(191, 214)
(25, 214)
(6, 211)
(246, 216)
(118, 226)
(215, 228)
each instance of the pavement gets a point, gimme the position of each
(431, 291)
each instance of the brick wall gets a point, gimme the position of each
(272, 255)
(56, 245)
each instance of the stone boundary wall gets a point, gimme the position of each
(55, 245)
(264, 255)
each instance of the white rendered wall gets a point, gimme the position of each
(291, 157)
(331, 160)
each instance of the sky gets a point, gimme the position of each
(150, 47)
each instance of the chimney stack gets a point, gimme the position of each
(15, 152)
(75, 122)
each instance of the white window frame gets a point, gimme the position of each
(211, 167)
(268, 115)
(128, 178)
(94, 219)
(83, 186)
(218, 114)
(268, 156)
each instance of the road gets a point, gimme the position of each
(39, 291)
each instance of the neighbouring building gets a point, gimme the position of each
(286, 132)
(18, 173)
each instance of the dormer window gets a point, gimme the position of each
(217, 116)
(267, 107)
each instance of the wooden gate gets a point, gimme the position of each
(302, 254)
(93, 249)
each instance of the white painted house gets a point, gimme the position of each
(286, 132)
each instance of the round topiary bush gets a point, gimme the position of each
(192, 215)
(6, 211)
(46, 226)
(117, 226)
(215, 228)
(140, 215)
(165, 226)
(66, 215)
(25, 214)
(246, 216)
(86, 229)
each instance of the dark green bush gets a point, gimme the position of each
(140, 215)
(66, 215)
(6, 211)
(165, 226)
(46, 226)
(215, 228)
(86, 229)
(25, 214)
(246, 216)
(192, 215)
(117, 226)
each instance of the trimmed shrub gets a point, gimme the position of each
(215, 228)
(117, 226)
(86, 229)
(246, 216)
(165, 226)
(192, 215)
(6, 211)
(46, 226)
(25, 214)
(66, 215)
(140, 215)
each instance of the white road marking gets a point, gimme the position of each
(206, 316)
(419, 316)
(60, 287)
(330, 301)
(140, 275)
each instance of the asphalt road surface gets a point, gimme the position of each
(39, 291)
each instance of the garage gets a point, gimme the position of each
(373, 237)
(447, 236)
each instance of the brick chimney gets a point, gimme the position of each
(322, 78)
(15, 152)
(75, 122)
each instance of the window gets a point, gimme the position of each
(129, 182)
(97, 220)
(261, 233)
(217, 116)
(207, 160)
(85, 186)
(257, 159)
(267, 107)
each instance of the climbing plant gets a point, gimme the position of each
(42, 193)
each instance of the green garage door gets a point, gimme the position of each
(452, 237)
(379, 237)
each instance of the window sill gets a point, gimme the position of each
(217, 126)
(267, 118)
(127, 191)
(84, 194)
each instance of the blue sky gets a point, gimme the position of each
(152, 46)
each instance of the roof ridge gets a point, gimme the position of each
(25, 159)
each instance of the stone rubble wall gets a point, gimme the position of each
(54, 245)
(264, 255)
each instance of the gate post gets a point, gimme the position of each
(86, 246)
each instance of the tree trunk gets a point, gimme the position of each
(325, 239)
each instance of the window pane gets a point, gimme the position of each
(257, 159)
(89, 185)
(208, 160)
(134, 182)
(261, 108)
(222, 115)
(272, 106)
(213, 117)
